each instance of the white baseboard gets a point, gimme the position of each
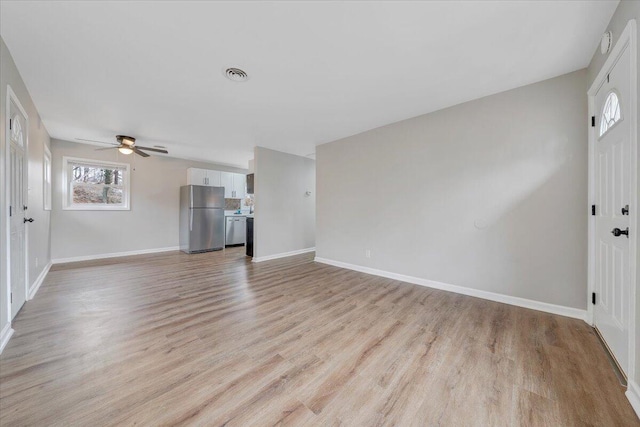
(5, 335)
(492, 296)
(283, 255)
(7, 331)
(633, 394)
(114, 255)
(36, 285)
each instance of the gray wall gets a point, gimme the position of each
(284, 215)
(490, 194)
(39, 236)
(626, 10)
(152, 221)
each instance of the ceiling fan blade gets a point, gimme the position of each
(107, 148)
(141, 153)
(99, 142)
(157, 150)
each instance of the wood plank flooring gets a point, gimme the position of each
(212, 339)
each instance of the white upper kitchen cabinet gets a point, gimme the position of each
(206, 177)
(214, 178)
(226, 181)
(239, 185)
(196, 176)
(234, 184)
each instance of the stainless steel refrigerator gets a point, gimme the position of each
(201, 218)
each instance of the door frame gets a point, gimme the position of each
(627, 38)
(11, 96)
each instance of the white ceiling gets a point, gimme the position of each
(319, 71)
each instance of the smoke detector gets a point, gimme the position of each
(236, 75)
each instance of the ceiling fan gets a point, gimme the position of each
(126, 145)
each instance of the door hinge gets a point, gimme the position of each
(593, 298)
(9, 124)
(593, 210)
(593, 121)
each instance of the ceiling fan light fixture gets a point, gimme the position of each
(125, 140)
(127, 145)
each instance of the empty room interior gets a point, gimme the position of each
(319, 213)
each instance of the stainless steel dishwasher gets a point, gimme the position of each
(236, 230)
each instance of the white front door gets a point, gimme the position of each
(612, 166)
(17, 203)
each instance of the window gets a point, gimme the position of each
(610, 113)
(17, 133)
(95, 185)
(46, 173)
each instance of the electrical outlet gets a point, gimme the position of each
(367, 253)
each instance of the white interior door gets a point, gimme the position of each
(17, 203)
(612, 167)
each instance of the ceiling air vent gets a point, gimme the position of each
(236, 75)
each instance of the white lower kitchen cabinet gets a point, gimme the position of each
(235, 230)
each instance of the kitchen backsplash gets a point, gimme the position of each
(232, 204)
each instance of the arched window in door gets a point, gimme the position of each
(610, 113)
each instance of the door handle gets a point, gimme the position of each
(625, 210)
(27, 220)
(617, 232)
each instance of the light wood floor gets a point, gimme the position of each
(211, 339)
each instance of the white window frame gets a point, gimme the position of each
(66, 186)
(46, 179)
(617, 95)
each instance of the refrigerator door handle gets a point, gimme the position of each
(190, 219)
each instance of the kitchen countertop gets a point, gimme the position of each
(227, 214)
